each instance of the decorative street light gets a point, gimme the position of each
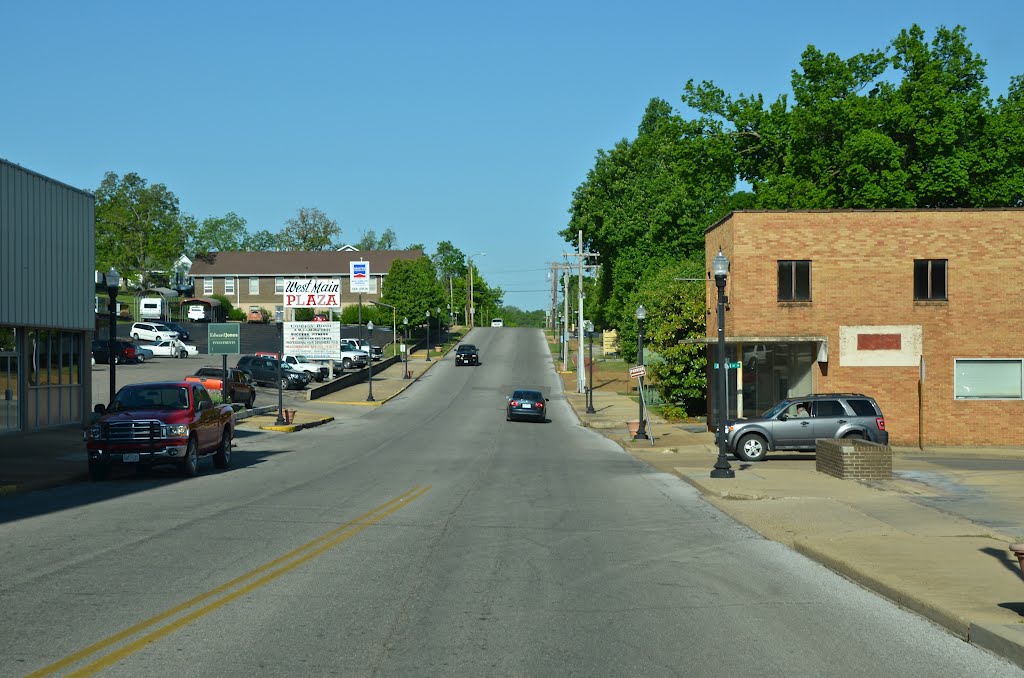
(720, 267)
(449, 322)
(590, 388)
(113, 284)
(439, 340)
(369, 364)
(428, 335)
(641, 313)
(405, 344)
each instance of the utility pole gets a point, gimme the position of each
(581, 374)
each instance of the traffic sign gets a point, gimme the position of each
(638, 371)
(731, 366)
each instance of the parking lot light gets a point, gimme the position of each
(369, 365)
(113, 284)
(641, 313)
(405, 342)
(428, 335)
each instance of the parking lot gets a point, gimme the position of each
(166, 369)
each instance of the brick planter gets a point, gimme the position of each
(853, 459)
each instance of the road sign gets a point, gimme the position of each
(359, 277)
(638, 371)
(223, 339)
(731, 366)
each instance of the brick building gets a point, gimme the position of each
(256, 280)
(871, 301)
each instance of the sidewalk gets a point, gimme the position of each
(933, 539)
(940, 564)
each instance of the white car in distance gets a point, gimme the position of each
(173, 349)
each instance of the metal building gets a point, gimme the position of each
(47, 286)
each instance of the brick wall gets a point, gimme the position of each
(853, 459)
(862, 274)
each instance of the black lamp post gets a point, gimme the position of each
(280, 357)
(428, 335)
(561, 339)
(405, 343)
(590, 388)
(641, 313)
(113, 284)
(369, 365)
(439, 329)
(446, 331)
(720, 267)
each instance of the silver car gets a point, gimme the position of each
(797, 422)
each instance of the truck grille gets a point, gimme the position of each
(133, 430)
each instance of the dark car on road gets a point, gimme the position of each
(524, 404)
(797, 422)
(124, 352)
(467, 354)
(263, 371)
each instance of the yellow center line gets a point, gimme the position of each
(301, 555)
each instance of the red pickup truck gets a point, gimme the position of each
(157, 423)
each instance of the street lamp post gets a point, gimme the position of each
(113, 284)
(439, 340)
(720, 267)
(405, 344)
(590, 388)
(641, 313)
(446, 330)
(428, 335)
(369, 364)
(471, 311)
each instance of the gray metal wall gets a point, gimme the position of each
(47, 252)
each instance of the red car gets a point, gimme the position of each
(320, 317)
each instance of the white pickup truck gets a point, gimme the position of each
(375, 352)
(350, 358)
(316, 371)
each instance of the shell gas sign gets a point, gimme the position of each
(312, 293)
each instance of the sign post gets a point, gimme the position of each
(224, 339)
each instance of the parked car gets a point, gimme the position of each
(467, 354)
(824, 415)
(172, 349)
(124, 352)
(375, 352)
(497, 322)
(320, 317)
(142, 353)
(238, 387)
(524, 404)
(263, 370)
(151, 332)
(183, 334)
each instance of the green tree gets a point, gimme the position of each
(412, 288)
(262, 241)
(138, 228)
(217, 234)
(388, 240)
(310, 231)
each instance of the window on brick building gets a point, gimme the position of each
(229, 285)
(794, 281)
(930, 279)
(989, 379)
(254, 286)
(207, 286)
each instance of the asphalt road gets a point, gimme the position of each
(429, 537)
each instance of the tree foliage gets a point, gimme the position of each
(138, 228)
(216, 234)
(412, 288)
(388, 240)
(310, 231)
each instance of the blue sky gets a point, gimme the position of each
(464, 121)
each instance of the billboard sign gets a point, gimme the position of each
(359, 277)
(315, 340)
(312, 293)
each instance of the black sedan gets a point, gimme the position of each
(526, 405)
(467, 354)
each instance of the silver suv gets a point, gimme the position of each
(795, 423)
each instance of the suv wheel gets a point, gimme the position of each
(284, 383)
(854, 436)
(752, 447)
(135, 335)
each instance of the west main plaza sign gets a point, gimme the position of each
(312, 293)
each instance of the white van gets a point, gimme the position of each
(497, 322)
(151, 308)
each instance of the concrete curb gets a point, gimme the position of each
(292, 428)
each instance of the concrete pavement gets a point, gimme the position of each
(933, 539)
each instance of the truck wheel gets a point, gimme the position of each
(347, 363)
(252, 401)
(319, 376)
(222, 457)
(190, 466)
(99, 471)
